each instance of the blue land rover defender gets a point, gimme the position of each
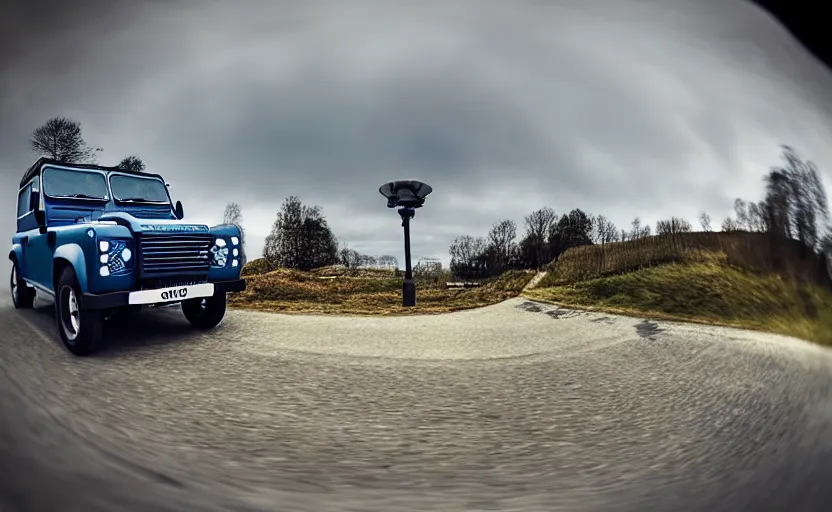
(100, 240)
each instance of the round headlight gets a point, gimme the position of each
(126, 254)
(104, 246)
(220, 242)
(220, 255)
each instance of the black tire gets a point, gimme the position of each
(23, 295)
(83, 335)
(205, 312)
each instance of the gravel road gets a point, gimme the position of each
(517, 406)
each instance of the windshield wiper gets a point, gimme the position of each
(139, 200)
(82, 196)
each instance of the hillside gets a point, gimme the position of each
(731, 279)
(363, 292)
(752, 251)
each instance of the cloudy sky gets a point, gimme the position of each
(619, 107)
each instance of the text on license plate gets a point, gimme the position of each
(172, 294)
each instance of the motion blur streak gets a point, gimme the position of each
(510, 407)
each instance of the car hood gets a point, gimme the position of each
(154, 225)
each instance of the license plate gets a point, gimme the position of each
(175, 293)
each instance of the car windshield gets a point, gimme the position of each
(138, 189)
(75, 184)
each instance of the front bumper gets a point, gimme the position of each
(160, 296)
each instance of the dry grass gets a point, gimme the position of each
(710, 290)
(731, 279)
(753, 251)
(366, 292)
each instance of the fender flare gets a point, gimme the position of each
(75, 256)
(16, 253)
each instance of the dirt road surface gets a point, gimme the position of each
(518, 406)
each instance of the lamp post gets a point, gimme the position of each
(409, 195)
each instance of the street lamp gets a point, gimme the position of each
(409, 195)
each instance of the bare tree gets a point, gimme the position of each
(637, 230)
(741, 211)
(501, 244)
(604, 231)
(234, 215)
(704, 221)
(132, 163)
(796, 202)
(367, 261)
(672, 226)
(468, 256)
(350, 258)
(534, 245)
(60, 138)
(729, 225)
(757, 218)
(388, 261)
(427, 269)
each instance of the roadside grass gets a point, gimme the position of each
(364, 292)
(706, 288)
(753, 251)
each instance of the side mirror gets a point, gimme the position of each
(40, 218)
(34, 200)
(180, 214)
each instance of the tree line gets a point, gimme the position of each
(794, 207)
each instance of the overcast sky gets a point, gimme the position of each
(619, 107)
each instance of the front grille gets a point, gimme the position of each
(171, 282)
(175, 254)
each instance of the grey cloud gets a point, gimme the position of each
(622, 108)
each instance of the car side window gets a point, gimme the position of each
(23, 200)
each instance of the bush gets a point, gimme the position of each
(255, 267)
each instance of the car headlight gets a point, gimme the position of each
(116, 257)
(219, 253)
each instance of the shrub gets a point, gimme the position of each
(255, 267)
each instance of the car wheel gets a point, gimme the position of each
(80, 329)
(23, 295)
(205, 313)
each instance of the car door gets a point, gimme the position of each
(36, 251)
(24, 225)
